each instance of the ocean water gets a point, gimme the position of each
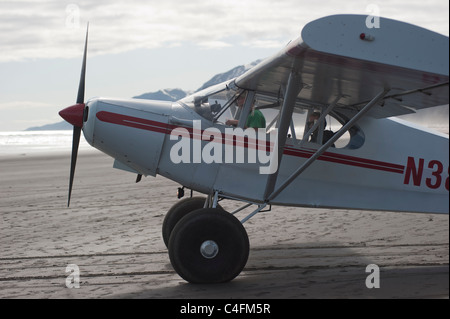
(23, 143)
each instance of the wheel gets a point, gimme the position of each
(178, 211)
(208, 245)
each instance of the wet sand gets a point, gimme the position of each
(112, 232)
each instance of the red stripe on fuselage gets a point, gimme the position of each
(166, 128)
(131, 121)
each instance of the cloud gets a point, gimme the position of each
(214, 44)
(55, 29)
(23, 105)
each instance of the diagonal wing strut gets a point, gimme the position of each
(324, 148)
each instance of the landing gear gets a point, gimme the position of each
(208, 245)
(178, 211)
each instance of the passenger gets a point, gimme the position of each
(311, 121)
(327, 134)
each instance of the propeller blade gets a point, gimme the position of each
(73, 162)
(80, 96)
(74, 115)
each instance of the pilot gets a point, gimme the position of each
(255, 119)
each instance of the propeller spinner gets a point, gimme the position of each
(74, 115)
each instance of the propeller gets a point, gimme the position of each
(74, 115)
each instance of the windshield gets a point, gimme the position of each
(214, 103)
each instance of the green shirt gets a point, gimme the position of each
(256, 119)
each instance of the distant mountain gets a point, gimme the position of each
(231, 74)
(176, 94)
(164, 95)
(63, 125)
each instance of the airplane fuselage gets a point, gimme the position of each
(395, 165)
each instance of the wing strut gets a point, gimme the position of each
(294, 87)
(320, 120)
(324, 147)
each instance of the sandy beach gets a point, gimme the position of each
(112, 232)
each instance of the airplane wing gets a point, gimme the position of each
(339, 56)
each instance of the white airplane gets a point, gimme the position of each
(351, 78)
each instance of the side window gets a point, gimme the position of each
(308, 127)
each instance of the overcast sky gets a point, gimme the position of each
(142, 46)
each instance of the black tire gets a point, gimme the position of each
(209, 225)
(178, 211)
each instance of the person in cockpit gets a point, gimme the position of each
(327, 134)
(311, 121)
(255, 119)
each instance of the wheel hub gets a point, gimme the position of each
(209, 249)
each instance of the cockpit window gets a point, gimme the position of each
(218, 104)
(214, 103)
